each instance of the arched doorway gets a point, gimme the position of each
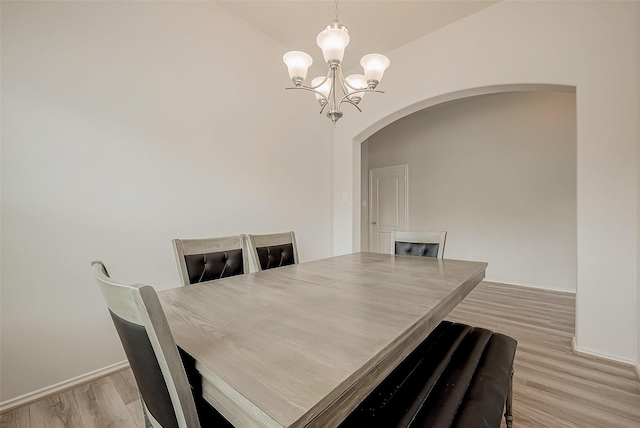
(498, 172)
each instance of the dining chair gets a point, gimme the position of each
(168, 400)
(272, 250)
(206, 259)
(426, 244)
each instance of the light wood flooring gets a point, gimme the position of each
(553, 387)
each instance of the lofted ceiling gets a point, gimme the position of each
(374, 26)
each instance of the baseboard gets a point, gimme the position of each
(58, 388)
(529, 286)
(636, 368)
(605, 357)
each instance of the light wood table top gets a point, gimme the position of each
(302, 345)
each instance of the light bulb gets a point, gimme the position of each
(324, 89)
(374, 66)
(333, 40)
(353, 83)
(298, 63)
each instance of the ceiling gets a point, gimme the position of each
(374, 26)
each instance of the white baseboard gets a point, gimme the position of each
(534, 287)
(636, 367)
(593, 354)
(61, 386)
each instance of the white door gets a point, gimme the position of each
(388, 202)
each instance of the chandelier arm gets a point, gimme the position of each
(345, 82)
(307, 88)
(369, 90)
(347, 100)
(355, 90)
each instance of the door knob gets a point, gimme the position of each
(374, 222)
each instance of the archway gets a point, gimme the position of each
(498, 172)
(416, 107)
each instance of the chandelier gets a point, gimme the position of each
(334, 89)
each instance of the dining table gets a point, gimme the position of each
(302, 345)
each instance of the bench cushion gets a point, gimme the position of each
(458, 377)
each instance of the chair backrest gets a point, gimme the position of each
(167, 399)
(272, 250)
(426, 244)
(206, 259)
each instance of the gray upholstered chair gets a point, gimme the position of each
(426, 244)
(272, 250)
(168, 399)
(206, 259)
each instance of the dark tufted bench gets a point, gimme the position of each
(460, 376)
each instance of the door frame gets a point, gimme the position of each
(406, 197)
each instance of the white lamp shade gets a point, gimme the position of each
(355, 82)
(324, 89)
(374, 66)
(298, 63)
(333, 41)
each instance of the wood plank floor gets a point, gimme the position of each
(553, 387)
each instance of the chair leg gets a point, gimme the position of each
(147, 422)
(508, 415)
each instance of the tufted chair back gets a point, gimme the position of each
(207, 259)
(425, 244)
(272, 250)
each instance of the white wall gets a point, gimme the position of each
(638, 136)
(591, 46)
(364, 197)
(124, 125)
(498, 172)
